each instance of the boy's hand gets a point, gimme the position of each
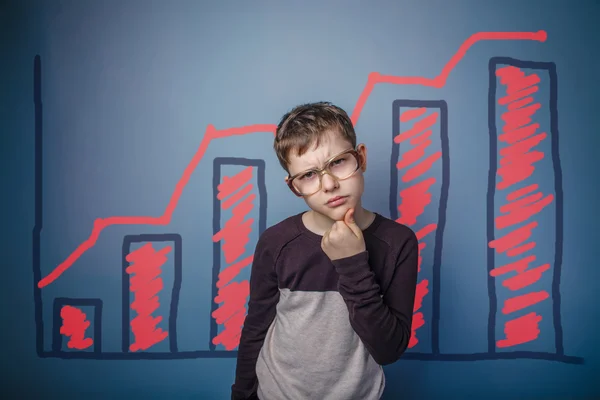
(343, 239)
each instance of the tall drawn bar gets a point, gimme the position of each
(239, 217)
(151, 285)
(418, 197)
(525, 205)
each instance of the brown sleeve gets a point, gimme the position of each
(382, 323)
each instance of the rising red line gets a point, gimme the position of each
(212, 133)
(440, 80)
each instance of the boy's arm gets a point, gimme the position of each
(383, 324)
(264, 295)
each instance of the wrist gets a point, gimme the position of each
(352, 265)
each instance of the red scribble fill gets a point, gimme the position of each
(520, 210)
(145, 283)
(235, 235)
(523, 202)
(416, 197)
(235, 232)
(522, 192)
(513, 238)
(526, 278)
(421, 137)
(74, 325)
(422, 246)
(417, 322)
(523, 301)
(420, 294)
(521, 330)
(232, 313)
(418, 127)
(412, 113)
(212, 133)
(515, 251)
(232, 271)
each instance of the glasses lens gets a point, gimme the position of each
(341, 168)
(307, 183)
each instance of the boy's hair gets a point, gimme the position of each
(306, 124)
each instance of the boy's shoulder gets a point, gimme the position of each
(281, 233)
(395, 234)
(286, 226)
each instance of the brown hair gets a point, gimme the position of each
(306, 124)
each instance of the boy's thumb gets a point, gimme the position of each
(349, 219)
(350, 216)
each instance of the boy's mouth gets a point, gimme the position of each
(335, 200)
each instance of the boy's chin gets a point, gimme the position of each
(338, 213)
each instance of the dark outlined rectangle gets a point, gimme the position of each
(546, 236)
(128, 242)
(260, 190)
(425, 173)
(96, 324)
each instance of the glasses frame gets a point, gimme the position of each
(323, 171)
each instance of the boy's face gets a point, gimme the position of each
(351, 189)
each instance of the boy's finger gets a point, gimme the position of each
(351, 223)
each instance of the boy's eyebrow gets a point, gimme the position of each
(313, 166)
(327, 159)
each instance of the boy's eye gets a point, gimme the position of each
(307, 175)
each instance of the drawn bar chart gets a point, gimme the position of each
(75, 322)
(235, 219)
(420, 168)
(524, 208)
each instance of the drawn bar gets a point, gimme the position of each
(148, 282)
(235, 221)
(418, 197)
(75, 320)
(524, 208)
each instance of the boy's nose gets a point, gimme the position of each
(329, 183)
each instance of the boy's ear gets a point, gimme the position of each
(362, 151)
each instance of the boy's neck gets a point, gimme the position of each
(319, 223)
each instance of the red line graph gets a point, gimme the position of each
(212, 133)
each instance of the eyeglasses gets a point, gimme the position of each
(341, 166)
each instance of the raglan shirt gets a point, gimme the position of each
(322, 329)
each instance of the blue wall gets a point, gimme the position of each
(128, 91)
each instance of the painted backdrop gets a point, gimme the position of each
(138, 159)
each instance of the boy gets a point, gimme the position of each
(331, 289)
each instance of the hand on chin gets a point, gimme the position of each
(338, 213)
